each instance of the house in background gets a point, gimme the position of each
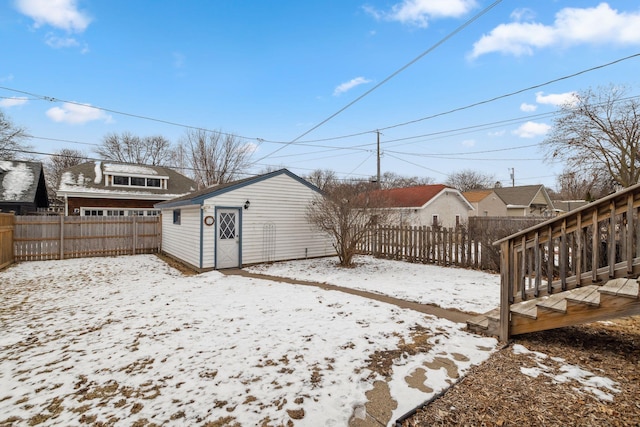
(119, 189)
(254, 220)
(485, 203)
(428, 205)
(526, 200)
(22, 187)
(564, 206)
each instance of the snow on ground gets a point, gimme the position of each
(130, 341)
(561, 372)
(467, 290)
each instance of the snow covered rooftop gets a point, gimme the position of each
(88, 178)
(19, 180)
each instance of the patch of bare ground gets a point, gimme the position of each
(498, 393)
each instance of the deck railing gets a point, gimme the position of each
(590, 245)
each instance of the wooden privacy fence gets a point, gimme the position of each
(6, 239)
(58, 237)
(469, 245)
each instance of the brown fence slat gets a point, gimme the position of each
(469, 245)
(6, 239)
(37, 238)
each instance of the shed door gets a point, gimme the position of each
(227, 238)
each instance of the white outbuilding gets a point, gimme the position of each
(253, 220)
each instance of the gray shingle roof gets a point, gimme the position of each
(82, 179)
(522, 195)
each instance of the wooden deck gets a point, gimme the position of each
(577, 268)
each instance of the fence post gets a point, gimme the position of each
(61, 256)
(134, 228)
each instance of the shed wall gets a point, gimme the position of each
(274, 227)
(182, 240)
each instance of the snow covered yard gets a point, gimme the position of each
(466, 290)
(130, 341)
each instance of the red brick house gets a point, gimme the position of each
(119, 189)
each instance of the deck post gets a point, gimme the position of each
(505, 288)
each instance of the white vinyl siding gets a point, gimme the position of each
(182, 240)
(275, 227)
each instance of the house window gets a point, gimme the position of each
(457, 220)
(176, 216)
(137, 181)
(153, 182)
(120, 180)
(434, 220)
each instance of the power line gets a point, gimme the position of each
(537, 86)
(392, 75)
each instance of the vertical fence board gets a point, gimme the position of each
(50, 237)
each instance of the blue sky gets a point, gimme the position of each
(271, 72)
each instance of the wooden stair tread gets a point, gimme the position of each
(526, 308)
(481, 321)
(621, 287)
(585, 295)
(555, 302)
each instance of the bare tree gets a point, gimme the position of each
(214, 157)
(590, 185)
(128, 148)
(12, 139)
(344, 213)
(599, 131)
(323, 178)
(394, 180)
(467, 180)
(57, 163)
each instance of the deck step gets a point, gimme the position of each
(585, 295)
(621, 288)
(526, 308)
(555, 302)
(480, 322)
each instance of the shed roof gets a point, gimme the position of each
(197, 197)
(20, 181)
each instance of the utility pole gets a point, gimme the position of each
(513, 177)
(378, 176)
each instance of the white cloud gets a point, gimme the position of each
(61, 14)
(12, 102)
(419, 12)
(531, 130)
(557, 99)
(6, 78)
(468, 143)
(497, 133)
(528, 107)
(77, 114)
(344, 87)
(600, 25)
(60, 42)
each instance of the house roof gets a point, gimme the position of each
(417, 196)
(20, 181)
(568, 205)
(87, 180)
(197, 197)
(476, 196)
(522, 195)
